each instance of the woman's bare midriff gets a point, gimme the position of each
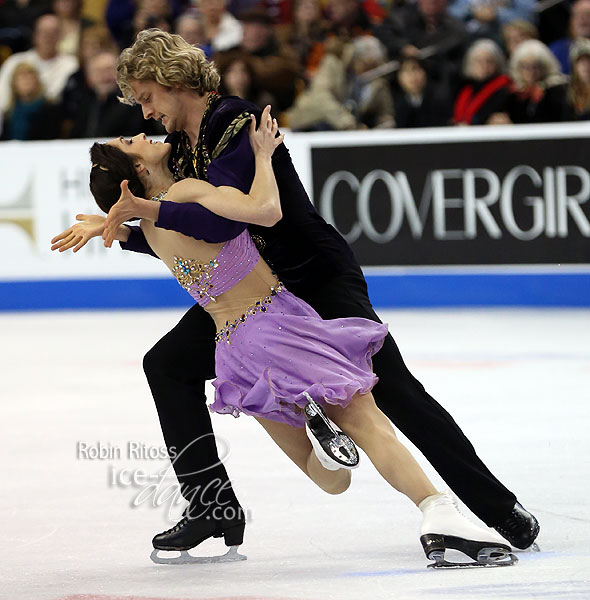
(228, 306)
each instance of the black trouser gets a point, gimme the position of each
(178, 365)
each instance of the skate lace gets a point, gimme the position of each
(513, 524)
(180, 525)
(448, 498)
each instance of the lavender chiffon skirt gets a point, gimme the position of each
(275, 356)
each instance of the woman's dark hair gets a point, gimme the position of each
(110, 166)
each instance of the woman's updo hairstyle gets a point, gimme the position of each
(110, 166)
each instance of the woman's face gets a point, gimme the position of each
(237, 79)
(531, 70)
(146, 151)
(307, 11)
(67, 9)
(582, 69)
(483, 65)
(26, 84)
(513, 36)
(412, 78)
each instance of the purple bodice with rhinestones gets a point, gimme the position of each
(205, 281)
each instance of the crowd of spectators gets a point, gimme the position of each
(322, 64)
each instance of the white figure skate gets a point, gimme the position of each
(445, 528)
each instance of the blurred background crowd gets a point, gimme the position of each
(322, 64)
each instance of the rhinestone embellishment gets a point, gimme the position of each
(259, 306)
(191, 273)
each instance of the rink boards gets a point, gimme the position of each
(473, 216)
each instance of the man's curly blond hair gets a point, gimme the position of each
(167, 59)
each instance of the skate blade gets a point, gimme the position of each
(534, 547)
(318, 412)
(486, 557)
(331, 459)
(232, 555)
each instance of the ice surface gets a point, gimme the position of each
(517, 381)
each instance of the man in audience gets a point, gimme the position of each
(427, 31)
(100, 114)
(54, 69)
(579, 28)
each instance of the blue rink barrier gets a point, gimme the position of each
(386, 290)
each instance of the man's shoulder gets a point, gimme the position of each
(19, 57)
(228, 108)
(228, 117)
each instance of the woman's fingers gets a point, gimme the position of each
(80, 244)
(252, 125)
(61, 236)
(60, 241)
(70, 243)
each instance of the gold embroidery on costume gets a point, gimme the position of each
(233, 129)
(190, 272)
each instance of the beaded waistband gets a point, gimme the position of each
(259, 306)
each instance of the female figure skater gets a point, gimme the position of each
(276, 359)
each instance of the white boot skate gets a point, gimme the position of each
(334, 449)
(445, 528)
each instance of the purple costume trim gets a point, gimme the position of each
(196, 221)
(237, 258)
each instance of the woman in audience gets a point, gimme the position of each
(30, 116)
(541, 88)
(578, 97)
(487, 88)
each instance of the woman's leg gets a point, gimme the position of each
(295, 444)
(372, 431)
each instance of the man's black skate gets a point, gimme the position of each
(334, 449)
(483, 554)
(521, 528)
(188, 533)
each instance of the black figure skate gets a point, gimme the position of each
(520, 529)
(445, 528)
(334, 449)
(188, 533)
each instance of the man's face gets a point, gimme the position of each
(581, 19)
(432, 8)
(160, 103)
(46, 35)
(101, 72)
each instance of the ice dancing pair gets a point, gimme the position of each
(275, 357)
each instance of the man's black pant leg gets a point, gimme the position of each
(176, 369)
(421, 419)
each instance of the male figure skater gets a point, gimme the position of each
(174, 83)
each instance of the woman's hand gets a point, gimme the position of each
(127, 207)
(263, 140)
(78, 235)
